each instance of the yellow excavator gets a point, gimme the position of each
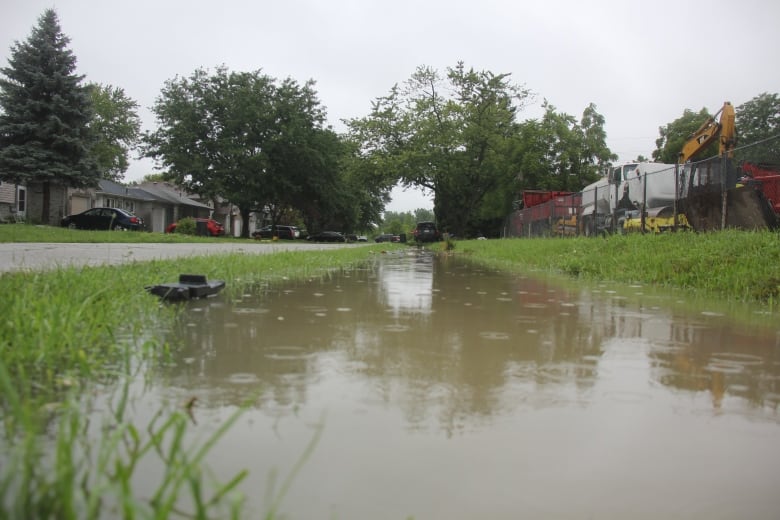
(724, 130)
(710, 194)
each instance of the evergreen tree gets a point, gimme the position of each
(44, 134)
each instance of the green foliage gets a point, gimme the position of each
(115, 129)
(187, 226)
(448, 135)
(255, 141)
(758, 129)
(557, 153)
(45, 116)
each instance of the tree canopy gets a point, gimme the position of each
(250, 139)
(558, 153)
(450, 135)
(44, 123)
(115, 128)
(758, 129)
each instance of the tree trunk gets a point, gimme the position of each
(244, 222)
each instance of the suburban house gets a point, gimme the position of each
(158, 203)
(13, 202)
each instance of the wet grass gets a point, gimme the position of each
(733, 265)
(35, 233)
(71, 333)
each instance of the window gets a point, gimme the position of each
(21, 205)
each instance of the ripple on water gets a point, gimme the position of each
(395, 327)
(285, 353)
(493, 335)
(243, 378)
(249, 310)
(732, 362)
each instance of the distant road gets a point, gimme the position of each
(42, 256)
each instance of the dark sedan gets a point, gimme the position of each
(327, 236)
(104, 219)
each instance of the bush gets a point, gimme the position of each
(187, 226)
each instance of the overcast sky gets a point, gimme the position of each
(640, 62)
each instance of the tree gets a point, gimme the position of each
(450, 135)
(758, 129)
(44, 124)
(595, 155)
(115, 128)
(247, 138)
(674, 135)
(557, 153)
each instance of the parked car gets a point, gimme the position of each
(203, 226)
(104, 218)
(327, 236)
(388, 237)
(426, 232)
(284, 232)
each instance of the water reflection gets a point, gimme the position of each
(457, 339)
(452, 386)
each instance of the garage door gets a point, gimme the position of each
(79, 204)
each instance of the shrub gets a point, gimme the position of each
(187, 226)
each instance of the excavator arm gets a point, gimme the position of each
(709, 131)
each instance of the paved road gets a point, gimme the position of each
(40, 256)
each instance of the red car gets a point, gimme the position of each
(203, 226)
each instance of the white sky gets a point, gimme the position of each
(641, 62)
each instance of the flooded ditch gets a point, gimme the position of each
(433, 389)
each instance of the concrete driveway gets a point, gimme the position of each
(42, 256)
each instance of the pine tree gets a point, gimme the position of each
(44, 123)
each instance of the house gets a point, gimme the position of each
(158, 203)
(13, 202)
(168, 203)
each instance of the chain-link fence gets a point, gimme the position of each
(711, 194)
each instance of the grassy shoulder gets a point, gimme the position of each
(35, 233)
(735, 265)
(65, 323)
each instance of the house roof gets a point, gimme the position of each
(150, 192)
(128, 192)
(170, 193)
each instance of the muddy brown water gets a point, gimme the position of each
(433, 389)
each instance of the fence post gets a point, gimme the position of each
(643, 215)
(676, 194)
(724, 194)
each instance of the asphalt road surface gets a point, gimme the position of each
(43, 256)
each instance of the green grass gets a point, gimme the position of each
(34, 233)
(734, 265)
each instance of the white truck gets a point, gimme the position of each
(624, 193)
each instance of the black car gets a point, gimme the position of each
(104, 219)
(327, 236)
(388, 237)
(285, 232)
(426, 232)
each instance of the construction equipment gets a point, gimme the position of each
(723, 129)
(710, 193)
